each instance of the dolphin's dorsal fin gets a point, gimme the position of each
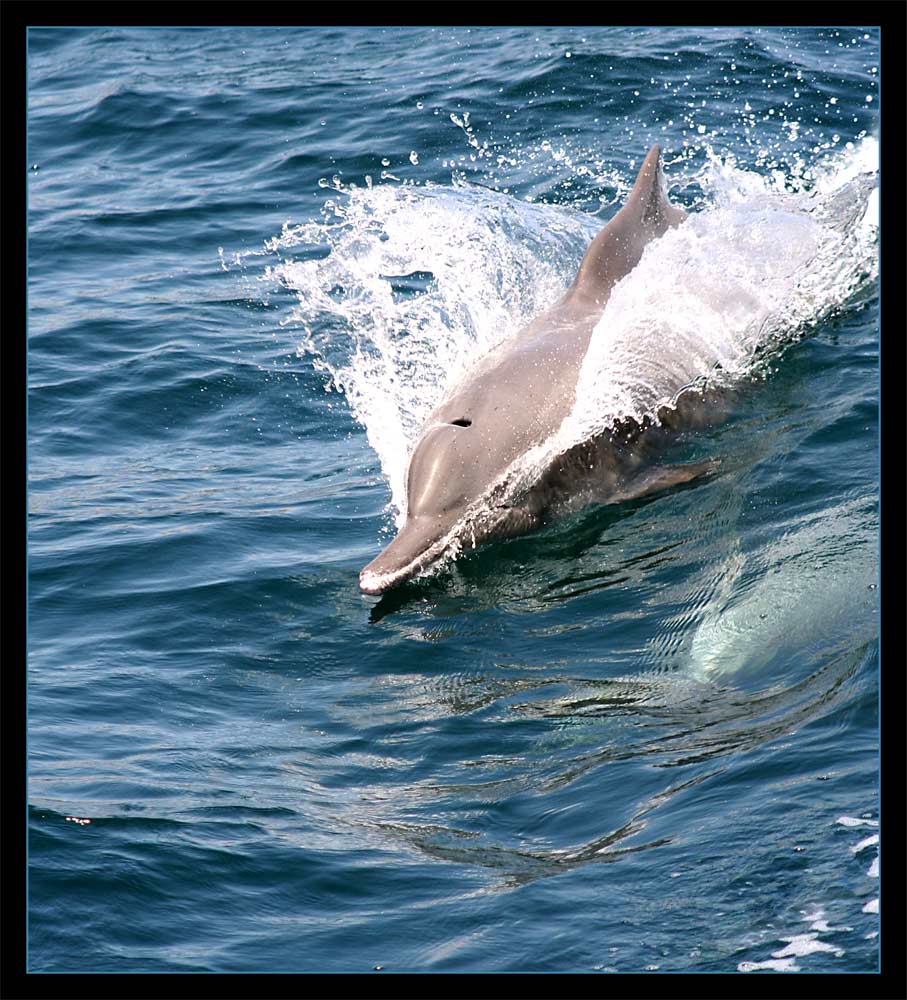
(646, 215)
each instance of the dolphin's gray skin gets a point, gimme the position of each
(517, 397)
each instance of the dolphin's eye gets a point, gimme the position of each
(463, 422)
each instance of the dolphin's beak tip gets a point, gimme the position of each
(403, 559)
(371, 583)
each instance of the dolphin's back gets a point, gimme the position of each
(519, 394)
(529, 381)
(646, 215)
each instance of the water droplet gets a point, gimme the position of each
(419, 105)
(385, 162)
(413, 157)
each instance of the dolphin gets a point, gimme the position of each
(517, 396)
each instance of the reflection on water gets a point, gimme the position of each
(567, 741)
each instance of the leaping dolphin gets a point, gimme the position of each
(516, 397)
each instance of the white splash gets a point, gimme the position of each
(817, 922)
(866, 842)
(851, 821)
(750, 273)
(401, 289)
(798, 945)
(474, 266)
(804, 944)
(771, 964)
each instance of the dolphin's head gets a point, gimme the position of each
(445, 475)
(452, 466)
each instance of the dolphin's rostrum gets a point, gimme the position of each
(516, 398)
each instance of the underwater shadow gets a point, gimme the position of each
(530, 566)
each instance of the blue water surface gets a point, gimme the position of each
(237, 761)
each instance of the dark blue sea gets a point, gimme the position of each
(642, 738)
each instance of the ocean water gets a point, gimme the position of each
(643, 738)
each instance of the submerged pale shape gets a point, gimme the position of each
(823, 568)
